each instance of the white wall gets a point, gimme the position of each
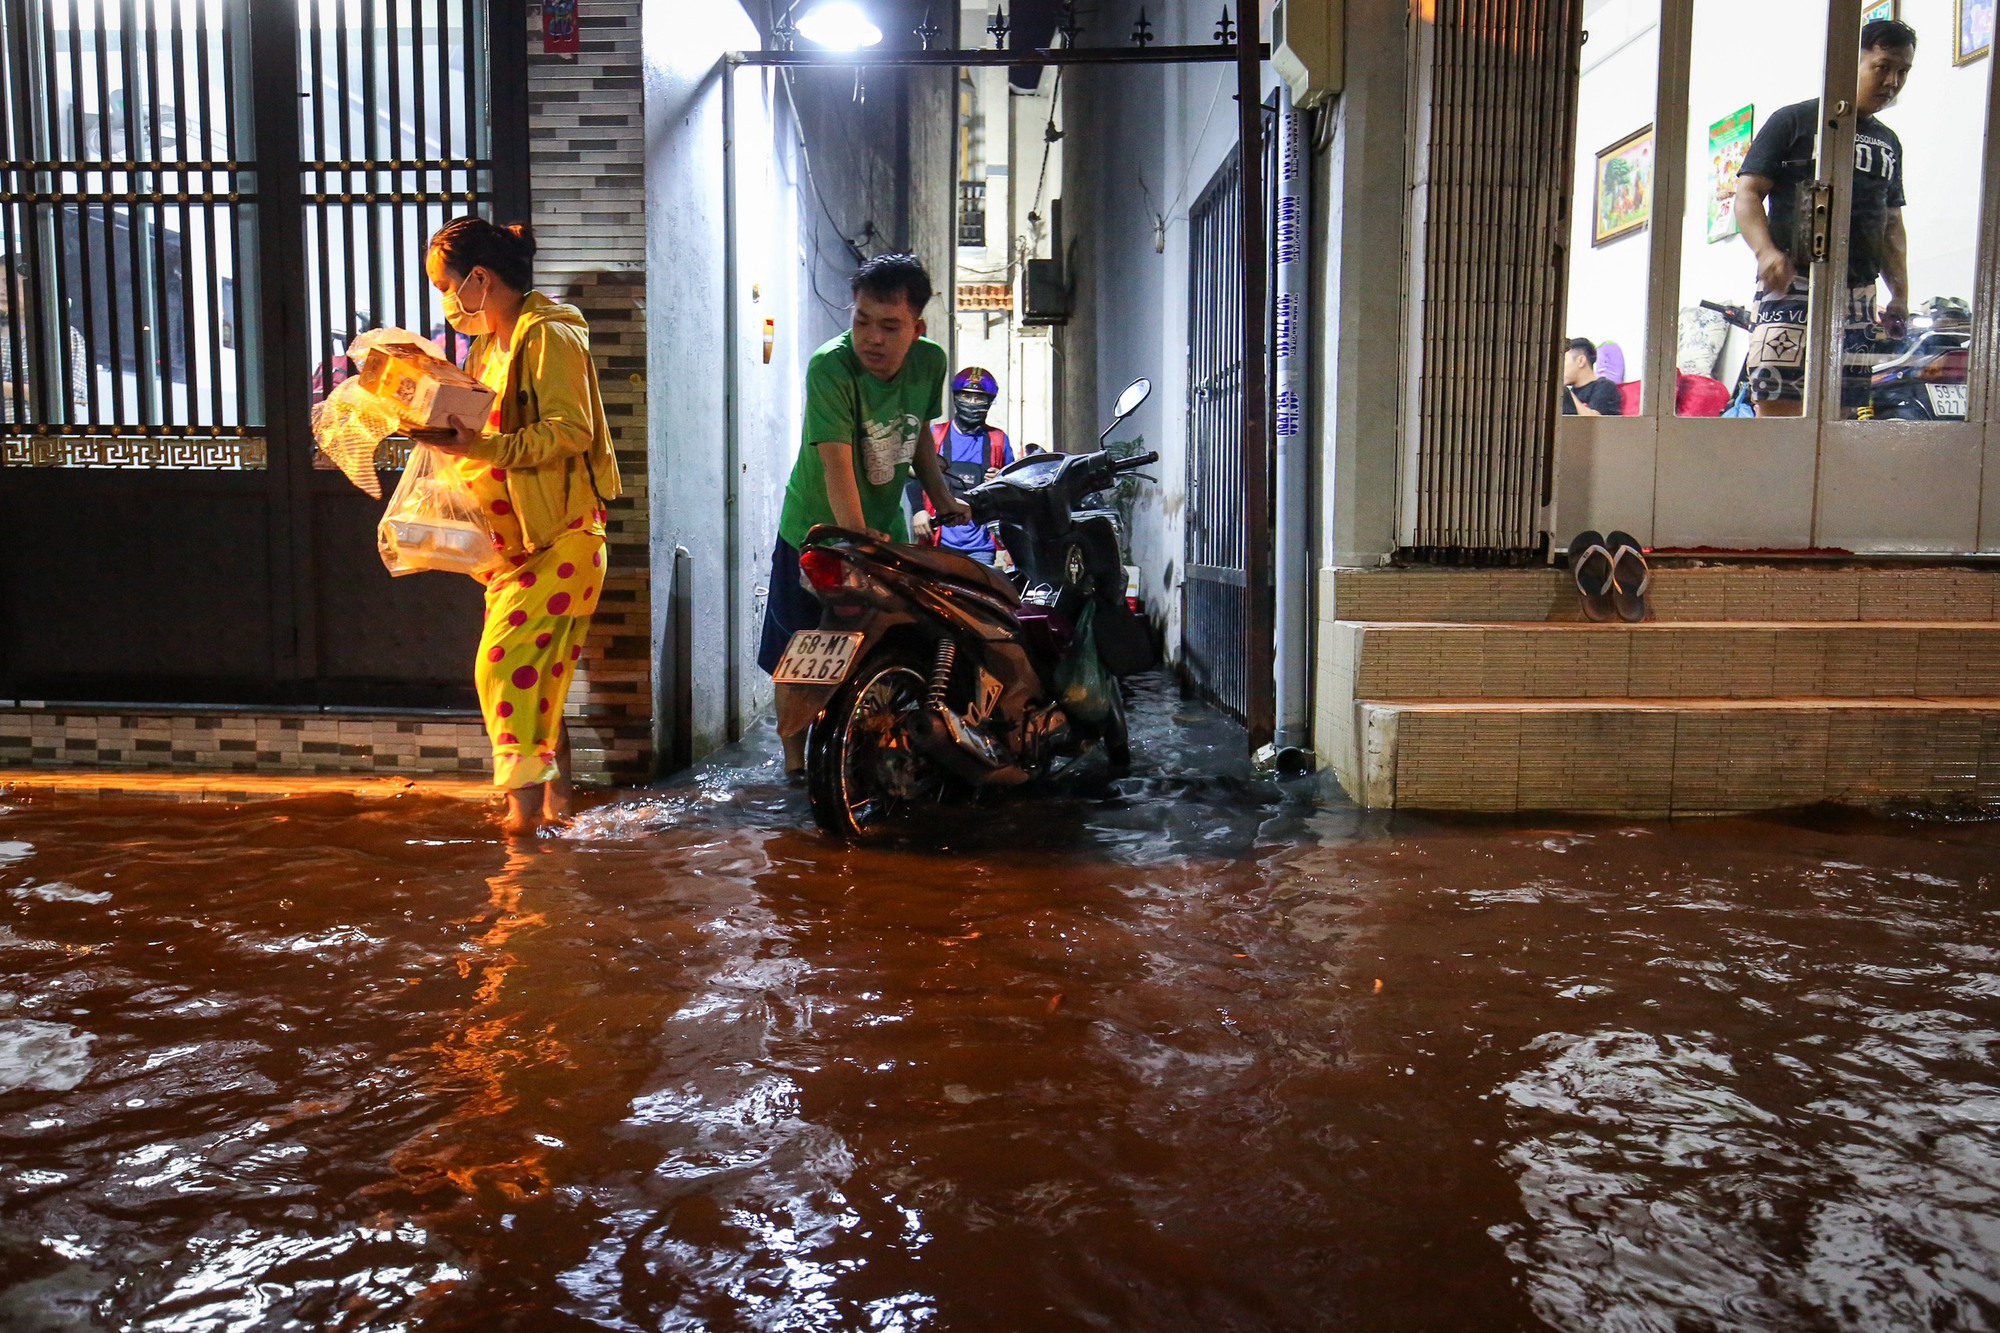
(1766, 53)
(793, 266)
(684, 370)
(1607, 285)
(1941, 118)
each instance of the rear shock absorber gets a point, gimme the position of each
(947, 656)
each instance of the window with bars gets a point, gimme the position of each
(972, 213)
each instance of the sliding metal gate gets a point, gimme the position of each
(201, 201)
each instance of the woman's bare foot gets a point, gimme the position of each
(556, 793)
(556, 800)
(524, 811)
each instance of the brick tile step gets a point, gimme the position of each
(1717, 592)
(1646, 758)
(235, 787)
(1728, 659)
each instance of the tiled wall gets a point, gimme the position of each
(243, 742)
(587, 169)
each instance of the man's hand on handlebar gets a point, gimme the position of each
(953, 512)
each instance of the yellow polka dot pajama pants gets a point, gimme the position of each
(537, 615)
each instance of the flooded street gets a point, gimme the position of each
(1185, 1052)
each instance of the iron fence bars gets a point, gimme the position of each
(124, 193)
(129, 210)
(395, 139)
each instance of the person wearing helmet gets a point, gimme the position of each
(971, 452)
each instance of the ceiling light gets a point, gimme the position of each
(839, 26)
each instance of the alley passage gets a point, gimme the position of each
(1183, 1053)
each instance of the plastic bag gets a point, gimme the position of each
(1083, 684)
(350, 423)
(434, 522)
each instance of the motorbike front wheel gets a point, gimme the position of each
(861, 772)
(1117, 734)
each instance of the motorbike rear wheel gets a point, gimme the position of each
(861, 773)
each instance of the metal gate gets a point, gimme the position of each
(201, 201)
(1215, 593)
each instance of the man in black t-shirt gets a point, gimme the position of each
(1773, 204)
(1584, 392)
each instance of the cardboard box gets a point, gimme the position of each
(426, 391)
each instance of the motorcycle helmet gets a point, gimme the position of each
(975, 379)
(1942, 313)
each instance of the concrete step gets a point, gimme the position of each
(1670, 660)
(1806, 591)
(1648, 758)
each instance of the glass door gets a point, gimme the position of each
(1815, 232)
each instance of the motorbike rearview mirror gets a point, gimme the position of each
(1128, 402)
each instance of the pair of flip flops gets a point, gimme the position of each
(1610, 573)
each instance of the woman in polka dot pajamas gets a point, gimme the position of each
(543, 469)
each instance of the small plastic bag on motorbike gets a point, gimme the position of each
(1085, 687)
(435, 522)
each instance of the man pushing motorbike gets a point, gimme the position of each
(871, 396)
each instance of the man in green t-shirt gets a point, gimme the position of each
(871, 395)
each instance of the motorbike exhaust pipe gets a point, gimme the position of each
(939, 735)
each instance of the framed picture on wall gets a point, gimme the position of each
(1880, 9)
(1972, 34)
(1728, 144)
(1624, 187)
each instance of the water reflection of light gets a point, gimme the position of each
(485, 1052)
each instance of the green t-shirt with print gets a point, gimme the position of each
(895, 415)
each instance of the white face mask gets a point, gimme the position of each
(472, 323)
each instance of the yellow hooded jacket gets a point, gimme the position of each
(565, 444)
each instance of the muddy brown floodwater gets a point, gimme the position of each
(1185, 1052)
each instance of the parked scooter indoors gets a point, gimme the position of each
(1927, 382)
(932, 674)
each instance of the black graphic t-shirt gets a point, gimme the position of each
(1782, 153)
(1600, 394)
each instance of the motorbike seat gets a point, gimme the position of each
(961, 569)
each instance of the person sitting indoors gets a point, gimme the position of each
(1584, 393)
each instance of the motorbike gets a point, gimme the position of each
(1927, 382)
(933, 675)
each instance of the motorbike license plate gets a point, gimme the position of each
(817, 657)
(1948, 400)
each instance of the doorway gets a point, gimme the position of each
(1893, 447)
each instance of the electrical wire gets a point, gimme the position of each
(818, 253)
(1049, 137)
(1187, 172)
(805, 155)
